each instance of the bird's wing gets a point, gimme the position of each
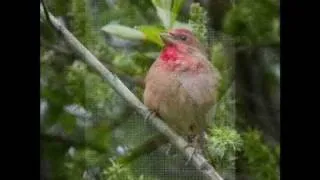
(201, 88)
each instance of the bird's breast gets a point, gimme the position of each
(168, 96)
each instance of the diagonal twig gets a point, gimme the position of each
(197, 160)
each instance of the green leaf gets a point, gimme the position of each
(163, 8)
(123, 32)
(167, 11)
(151, 55)
(177, 4)
(68, 122)
(91, 157)
(98, 136)
(126, 63)
(152, 34)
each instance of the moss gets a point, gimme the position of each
(262, 161)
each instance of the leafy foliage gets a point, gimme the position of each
(82, 23)
(255, 151)
(94, 124)
(123, 32)
(198, 21)
(152, 33)
(118, 171)
(167, 11)
(253, 22)
(87, 88)
(224, 143)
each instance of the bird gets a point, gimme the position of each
(181, 85)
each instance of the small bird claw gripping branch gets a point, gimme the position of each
(197, 160)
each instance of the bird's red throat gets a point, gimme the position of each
(175, 57)
(170, 53)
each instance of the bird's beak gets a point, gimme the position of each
(167, 38)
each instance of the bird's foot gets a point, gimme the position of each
(152, 113)
(196, 149)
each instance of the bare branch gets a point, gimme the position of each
(146, 148)
(197, 160)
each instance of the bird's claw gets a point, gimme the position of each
(195, 150)
(151, 113)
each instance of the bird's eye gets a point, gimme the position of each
(183, 37)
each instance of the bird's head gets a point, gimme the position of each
(180, 36)
(178, 42)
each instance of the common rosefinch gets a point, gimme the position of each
(181, 85)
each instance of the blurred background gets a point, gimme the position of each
(89, 132)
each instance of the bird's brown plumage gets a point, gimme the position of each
(181, 85)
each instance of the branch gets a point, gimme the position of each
(139, 81)
(146, 148)
(197, 160)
